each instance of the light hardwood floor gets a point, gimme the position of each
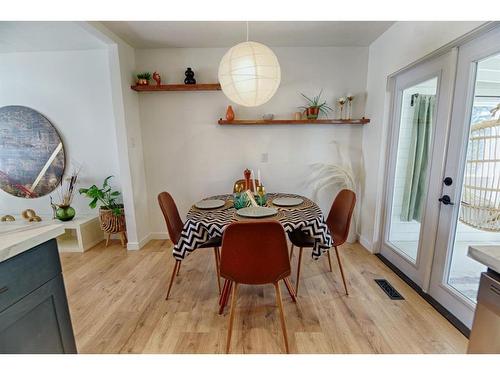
(117, 304)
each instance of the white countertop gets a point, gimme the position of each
(487, 255)
(17, 237)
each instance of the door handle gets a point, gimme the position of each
(446, 200)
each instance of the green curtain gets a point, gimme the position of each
(418, 158)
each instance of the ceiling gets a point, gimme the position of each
(162, 34)
(45, 36)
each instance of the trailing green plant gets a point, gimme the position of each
(104, 195)
(315, 102)
(144, 75)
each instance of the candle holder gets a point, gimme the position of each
(261, 196)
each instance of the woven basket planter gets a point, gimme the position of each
(111, 223)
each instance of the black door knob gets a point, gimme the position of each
(448, 181)
(445, 199)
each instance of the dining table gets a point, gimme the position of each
(202, 225)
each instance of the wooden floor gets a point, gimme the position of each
(117, 304)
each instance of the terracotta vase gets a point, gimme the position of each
(312, 113)
(229, 113)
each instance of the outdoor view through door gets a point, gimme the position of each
(418, 108)
(479, 218)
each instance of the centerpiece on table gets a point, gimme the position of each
(315, 107)
(111, 213)
(251, 192)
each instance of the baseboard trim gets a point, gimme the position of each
(158, 236)
(366, 244)
(464, 330)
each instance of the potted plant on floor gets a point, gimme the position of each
(315, 107)
(111, 213)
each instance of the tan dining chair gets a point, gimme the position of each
(174, 227)
(242, 182)
(255, 253)
(338, 221)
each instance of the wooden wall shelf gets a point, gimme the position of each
(361, 121)
(178, 87)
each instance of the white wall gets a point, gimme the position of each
(188, 154)
(128, 134)
(72, 89)
(402, 44)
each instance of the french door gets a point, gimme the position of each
(473, 166)
(443, 189)
(420, 117)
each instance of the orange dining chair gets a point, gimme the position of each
(242, 182)
(338, 221)
(255, 253)
(174, 227)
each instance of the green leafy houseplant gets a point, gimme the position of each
(144, 75)
(105, 195)
(143, 78)
(315, 106)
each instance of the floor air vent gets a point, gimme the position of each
(389, 289)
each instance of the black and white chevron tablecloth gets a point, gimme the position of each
(201, 225)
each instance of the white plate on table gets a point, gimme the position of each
(257, 212)
(208, 204)
(287, 201)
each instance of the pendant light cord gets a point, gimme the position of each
(247, 31)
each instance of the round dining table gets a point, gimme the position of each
(203, 224)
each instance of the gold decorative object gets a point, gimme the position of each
(8, 218)
(35, 218)
(28, 214)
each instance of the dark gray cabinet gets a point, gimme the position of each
(34, 314)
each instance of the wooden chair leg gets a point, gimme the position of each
(108, 235)
(291, 252)
(329, 260)
(122, 239)
(231, 318)
(341, 271)
(226, 297)
(282, 315)
(178, 268)
(224, 290)
(298, 272)
(289, 286)
(176, 265)
(217, 273)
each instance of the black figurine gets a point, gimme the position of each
(189, 77)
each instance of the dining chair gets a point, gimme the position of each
(338, 221)
(174, 227)
(255, 253)
(242, 182)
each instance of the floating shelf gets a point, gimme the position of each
(361, 121)
(178, 87)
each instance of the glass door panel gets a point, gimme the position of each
(417, 117)
(478, 222)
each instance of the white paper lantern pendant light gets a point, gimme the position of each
(249, 73)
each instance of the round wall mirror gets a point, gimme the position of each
(31, 153)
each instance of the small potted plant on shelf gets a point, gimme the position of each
(143, 78)
(111, 213)
(315, 107)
